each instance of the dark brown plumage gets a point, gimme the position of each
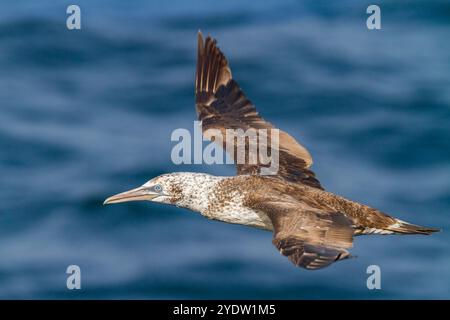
(312, 227)
(222, 105)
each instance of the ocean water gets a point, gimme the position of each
(88, 113)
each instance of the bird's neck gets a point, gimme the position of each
(221, 198)
(226, 202)
(197, 192)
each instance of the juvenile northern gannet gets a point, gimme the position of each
(311, 226)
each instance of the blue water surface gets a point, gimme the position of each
(88, 113)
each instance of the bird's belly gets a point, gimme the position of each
(242, 215)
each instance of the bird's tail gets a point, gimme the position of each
(402, 227)
(372, 221)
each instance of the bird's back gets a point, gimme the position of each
(253, 189)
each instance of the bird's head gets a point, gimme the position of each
(179, 188)
(164, 188)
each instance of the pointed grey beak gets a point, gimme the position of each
(138, 194)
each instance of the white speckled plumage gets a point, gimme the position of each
(311, 226)
(200, 192)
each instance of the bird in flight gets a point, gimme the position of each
(311, 226)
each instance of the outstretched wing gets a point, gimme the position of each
(310, 238)
(222, 105)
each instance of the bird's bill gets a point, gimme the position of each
(138, 194)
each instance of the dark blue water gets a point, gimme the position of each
(86, 114)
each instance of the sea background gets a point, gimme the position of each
(88, 113)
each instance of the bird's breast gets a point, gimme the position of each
(232, 210)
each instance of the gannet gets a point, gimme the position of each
(311, 226)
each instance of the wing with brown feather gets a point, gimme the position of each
(310, 238)
(222, 105)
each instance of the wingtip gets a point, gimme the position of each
(200, 36)
(200, 41)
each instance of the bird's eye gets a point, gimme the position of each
(157, 188)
